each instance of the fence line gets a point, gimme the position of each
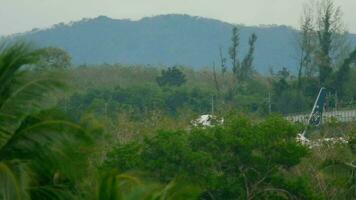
(340, 116)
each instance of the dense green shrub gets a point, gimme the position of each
(240, 160)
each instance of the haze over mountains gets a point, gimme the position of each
(167, 40)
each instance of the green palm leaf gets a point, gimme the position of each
(13, 180)
(22, 92)
(41, 155)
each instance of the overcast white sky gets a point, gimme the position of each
(23, 15)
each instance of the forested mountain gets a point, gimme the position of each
(167, 40)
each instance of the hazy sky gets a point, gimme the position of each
(23, 15)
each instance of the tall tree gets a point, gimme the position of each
(329, 29)
(247, 70)
(222, 62)
(306, 44)
(233, 50)
(321, 41)
(223, 68)
(305, 50)
(242, 70)
(343, 74)
(173, 76)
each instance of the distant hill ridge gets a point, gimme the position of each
(166, 40)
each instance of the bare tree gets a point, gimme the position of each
(306, 44)
(321, 41)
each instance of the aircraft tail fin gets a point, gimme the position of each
(316, 116)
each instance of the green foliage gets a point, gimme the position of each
(343, 75)
(116, 186)
(331, 165)
(139, 101)
(243, 70)
(239, 160)
(139, 94)
(247, 69)
(171, 77)
(341, 170)
(289, 97)
(234, 50)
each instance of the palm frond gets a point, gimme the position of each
(14, 179)
(22, 92)
(12, 58)
(50, 151)
(50, 192)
